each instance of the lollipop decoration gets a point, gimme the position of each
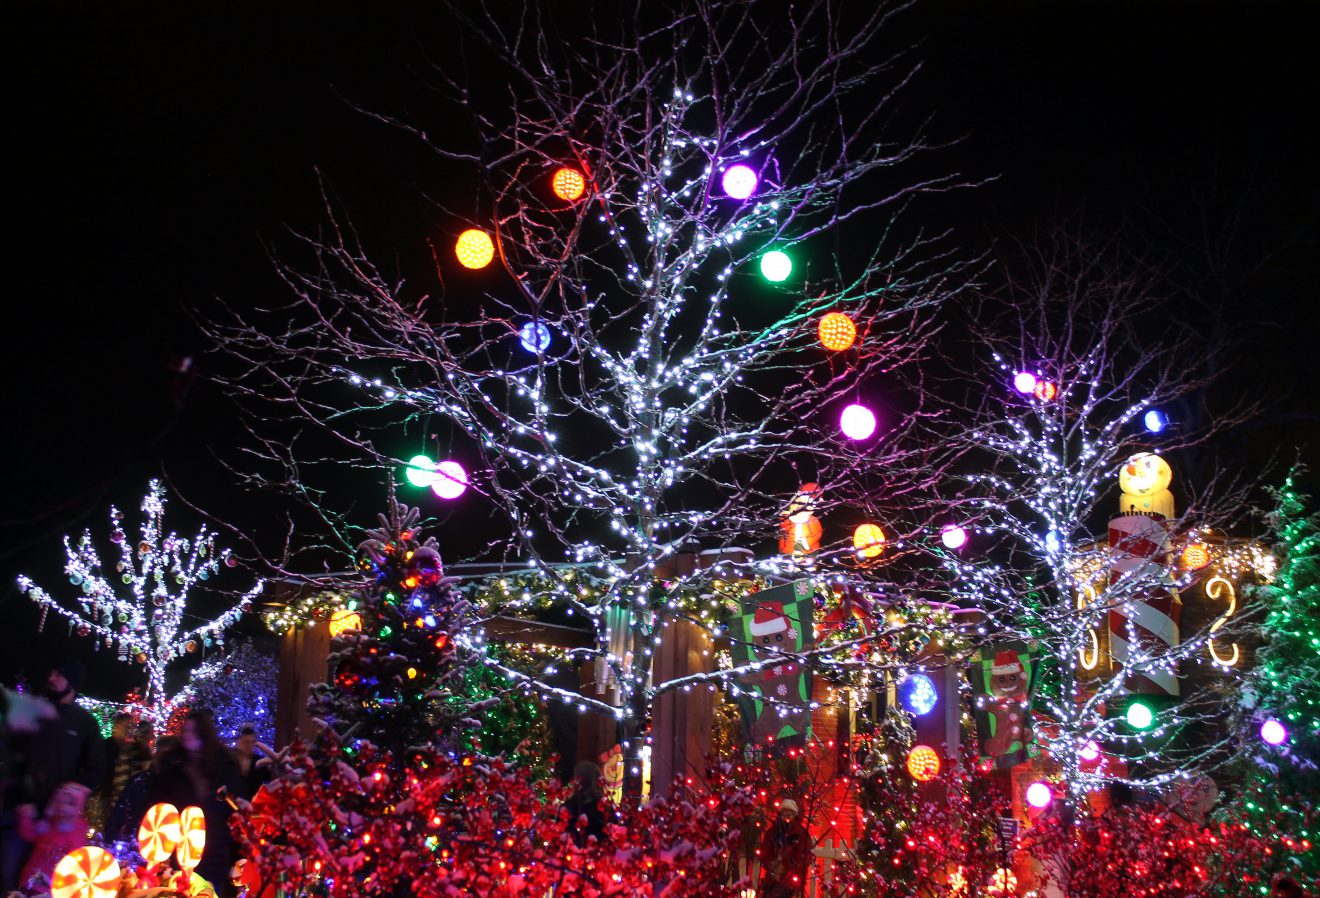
(160, 833)
(87, 872)
(193, 824)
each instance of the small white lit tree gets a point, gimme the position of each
(139, 609)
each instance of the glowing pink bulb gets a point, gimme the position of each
(1273, 732)
(739, 181)
(1039, 795)
(451, 481)
(953, 536)
(1024, 382)
(857, 422)
(1090, 751)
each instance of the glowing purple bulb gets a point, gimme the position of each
(451, 481)
(857, 422)
(1024, 382)
(1039, 795)
(953, 536)
(1273, 732)
(739, 181)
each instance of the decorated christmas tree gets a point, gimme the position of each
(1281, 779)
(402, 653)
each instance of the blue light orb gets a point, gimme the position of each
(917, 694)
(534, 337)
(1155, 420)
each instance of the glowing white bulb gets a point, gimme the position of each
(1024, 382)
(1273, 732)
(451, 480)
(739, 181)
(857, 422)
(1039, 795)
(953, 536)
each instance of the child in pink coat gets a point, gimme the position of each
(63, 829)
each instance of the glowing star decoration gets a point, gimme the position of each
(1045, 391)
(1145, 481)
(1140, 716)
(1155, 420)
(857, 422)
(1024, 382)
(451, 480)
(739, 181)
(953, 536)
(568, 184)
(1195, 556)
(776, 266)
(917, 694)
(836, 331)
(160, 833)
(87, 872)
(474, 249)
(1039, 795)
(1273, 732)
(534, 337)
(192, 821)
(344, 621)
(923, 763)
(868, 540)
(420, 471)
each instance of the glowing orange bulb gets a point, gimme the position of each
(568, 184)
(1046, 391)
(837, 331)
(923, 763)
(868, 540)
(343, 621)
(474, 249)
(1195, 556)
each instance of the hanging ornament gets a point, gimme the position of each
(739, 181)
(144, 547)
(191, 645)
(868, 540)
(427, 567)
(568, 184)
(923, 763)
(76, 578)
(203, 574)
(231, 561)
(84, 630)
(117, 536)
(474, 249)
(1045, 391)
(127, 578)
(41, 624)
(158, 601)
(836, 331)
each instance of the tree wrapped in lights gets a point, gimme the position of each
(631, 386)
(1056, 426)
(141, 617)
(1280, 776)
(238, 688)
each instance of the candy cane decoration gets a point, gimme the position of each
(1147, 621)
(160, 833)
(1214, 588)
(193, 823)
(87, 872)
(1087, 597)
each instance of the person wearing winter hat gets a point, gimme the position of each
(65, 749)
(784, 853)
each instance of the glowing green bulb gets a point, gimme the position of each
(1139, 716)
(420, 471)
(776, 266)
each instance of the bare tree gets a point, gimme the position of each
(1068, 424)
(633, 388)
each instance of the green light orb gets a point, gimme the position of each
(420, 471)
(1139, 716)
(776, 266)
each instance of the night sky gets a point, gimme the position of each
(157, 148)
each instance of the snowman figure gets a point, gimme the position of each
(1145, 483)
(800, 529)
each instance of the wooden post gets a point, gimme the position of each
(681, 719)
(304, 660)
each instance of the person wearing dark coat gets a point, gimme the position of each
(784, 854)
(585, 802)
(64, 749)
(191, 773)
(252, 776)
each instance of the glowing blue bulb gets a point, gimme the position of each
(917, 694)
(534, 337)
(1155, 420)
(1052, 543)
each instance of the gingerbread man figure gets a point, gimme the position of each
(1008, 705)
(772, 635)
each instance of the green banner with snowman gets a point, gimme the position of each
(773, 631)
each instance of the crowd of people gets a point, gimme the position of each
(62, 779)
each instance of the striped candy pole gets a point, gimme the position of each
(1148, 618)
